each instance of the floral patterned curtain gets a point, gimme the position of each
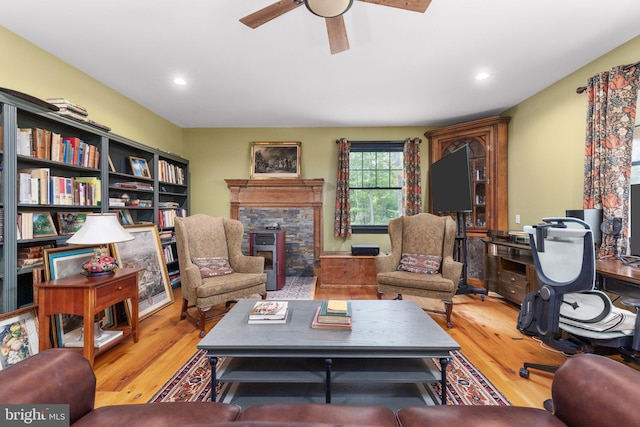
(412, 190)
(611, 112)
(342, 220)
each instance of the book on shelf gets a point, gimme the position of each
(38, 187)
(34, 186)
(335, 312)
(31, 256)
(170, 173)
(63, 104)
(269, 310)
(317, 324)
(58, 148)
(134, 185)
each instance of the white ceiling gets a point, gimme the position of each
(403, 69)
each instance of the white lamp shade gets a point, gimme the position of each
(328, 8)
(100, 229)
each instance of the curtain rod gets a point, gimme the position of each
(338, 141)
(582, 89)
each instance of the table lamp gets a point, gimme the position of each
(100, 229)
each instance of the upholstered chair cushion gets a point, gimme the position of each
(418, 263)
(421, 259)
(214, 266)
(206, 240)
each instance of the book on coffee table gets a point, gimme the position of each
(268, 321)
(332, 311)
(269, 310)
(316, 324)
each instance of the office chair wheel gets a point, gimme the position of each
(524, 373)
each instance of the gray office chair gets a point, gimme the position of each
(564, 256)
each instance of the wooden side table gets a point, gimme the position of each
(86, 296)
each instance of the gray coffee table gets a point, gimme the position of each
(387, 355)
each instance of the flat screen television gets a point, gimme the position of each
(451, 182)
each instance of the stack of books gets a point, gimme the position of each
(333, 314)
(269, 312)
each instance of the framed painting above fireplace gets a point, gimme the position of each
(275, 160)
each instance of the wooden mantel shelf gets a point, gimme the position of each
(276, 192)
(280, 193)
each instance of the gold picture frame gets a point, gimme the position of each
(36, 224)
(145, 251)
(70, 222)
(275, 160)
(139, 167)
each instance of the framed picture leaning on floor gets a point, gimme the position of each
(145, 251)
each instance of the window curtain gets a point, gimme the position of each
(611, 112)
(342, 220)
(412, 190)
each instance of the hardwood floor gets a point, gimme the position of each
(486, 331)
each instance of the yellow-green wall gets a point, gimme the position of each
(546, 137)
(219, 154)
(546, 143)
(29, 69)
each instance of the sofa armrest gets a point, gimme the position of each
(53, 376)
(593, 390)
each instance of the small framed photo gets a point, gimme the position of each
(275, 160)
(112, 168)
(43, 225)
(139, 167)
(125, 218)
(19, 336)
(70, 222)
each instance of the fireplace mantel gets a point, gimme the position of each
(280, 193)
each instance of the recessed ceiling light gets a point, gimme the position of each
(482, 76)
(180, 81)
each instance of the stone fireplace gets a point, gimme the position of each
(295, 204)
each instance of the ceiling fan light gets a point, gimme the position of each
(328, 8)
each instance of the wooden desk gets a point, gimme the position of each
(84, 296)
(617, 278)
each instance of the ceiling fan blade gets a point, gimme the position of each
(268, 13)
(338, 41)
(413, 5)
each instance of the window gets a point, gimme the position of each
(375, 185)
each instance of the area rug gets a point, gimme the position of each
(465, 383)
(295, 288)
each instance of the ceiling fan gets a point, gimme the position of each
(332, 11)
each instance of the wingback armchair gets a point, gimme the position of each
(204, 246)
(421, 260)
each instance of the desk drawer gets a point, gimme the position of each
(111, 293)
(514, 286)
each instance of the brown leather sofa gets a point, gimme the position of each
(588, 390)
